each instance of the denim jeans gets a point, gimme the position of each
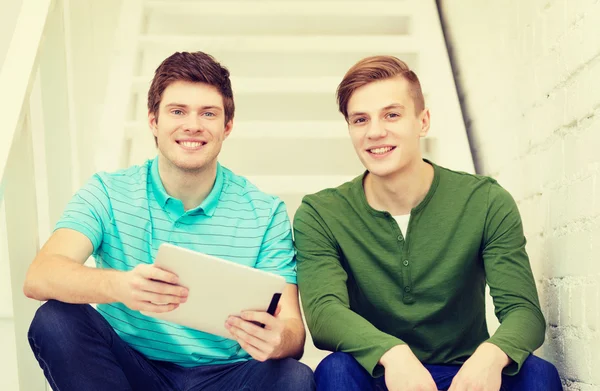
(79, 351)
(340, 371)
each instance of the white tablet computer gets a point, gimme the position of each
(217, 289)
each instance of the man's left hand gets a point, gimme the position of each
(482, 371)
(260, 343)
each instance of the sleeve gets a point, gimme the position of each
(87, 211)
(322, 282)
(277, 254)
(511, 282)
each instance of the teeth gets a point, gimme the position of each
(379, 151)
(191, 144)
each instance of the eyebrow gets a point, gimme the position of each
(388, 107)
(393, 106)
(181, 105)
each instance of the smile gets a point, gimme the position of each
(381, 150)
(191, 144)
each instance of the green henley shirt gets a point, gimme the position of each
(366, 288)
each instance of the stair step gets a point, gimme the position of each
(281, 64)
(248, 130)
(297, 184)
(279, 17)
(265, 85)
(277, 7)
(264, 107)
(283, 44)
(290, 157)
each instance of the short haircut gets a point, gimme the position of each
(375, 68)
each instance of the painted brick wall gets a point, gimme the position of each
(529, 78)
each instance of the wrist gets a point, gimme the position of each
(111, 284)
(395, 354)
(497, 355)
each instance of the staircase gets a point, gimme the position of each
(286, 59)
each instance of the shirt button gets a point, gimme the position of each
(407, 289)
(399, 238)
(405, 263)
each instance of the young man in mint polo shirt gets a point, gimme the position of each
(184, 197)
(392, 266)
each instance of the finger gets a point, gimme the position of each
(259, 316)
(164, 288)
(158, 274)
(157, 308)
(278, 310)
(155, 298)
(256, 353)
(247, 339)
(248, 327)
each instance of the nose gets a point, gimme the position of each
(193, 124)
(376, 130)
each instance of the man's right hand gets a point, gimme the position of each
(149, 288)
(404, 371)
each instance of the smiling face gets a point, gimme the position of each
(384, 126)
(190, 126)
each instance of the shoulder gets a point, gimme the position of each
(128, 178)
(239, 190)
(333, 196)
(331, 203)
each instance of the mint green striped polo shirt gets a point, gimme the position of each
(128, 214)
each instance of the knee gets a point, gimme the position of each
(51, 320)
(337, 364)
(298, 376)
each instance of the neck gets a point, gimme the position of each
(191, 187)
(399, 193)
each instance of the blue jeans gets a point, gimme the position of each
(340, 371)
(78, 350)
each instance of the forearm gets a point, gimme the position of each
(337, 328)
(294, 337)
(60, 278)
(521, 332)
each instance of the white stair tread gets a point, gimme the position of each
(267, 130)
(287, 44)
(303, 184)
(257, 85)
(275, 8)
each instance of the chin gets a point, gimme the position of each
(382, 170)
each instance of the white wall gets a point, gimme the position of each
(529, 74)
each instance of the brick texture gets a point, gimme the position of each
(528, 74)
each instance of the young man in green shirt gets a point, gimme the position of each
(392, 266)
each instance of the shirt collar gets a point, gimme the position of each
(359, 191)
(208, 206)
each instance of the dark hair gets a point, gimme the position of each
(196, 67)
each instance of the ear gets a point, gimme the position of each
(228, 129)
(425, 122)
(153, 123)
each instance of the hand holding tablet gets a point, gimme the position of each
(217, 289)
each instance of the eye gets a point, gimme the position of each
(209, 114)
(177, 112)
(393, 115)
(359, 120)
